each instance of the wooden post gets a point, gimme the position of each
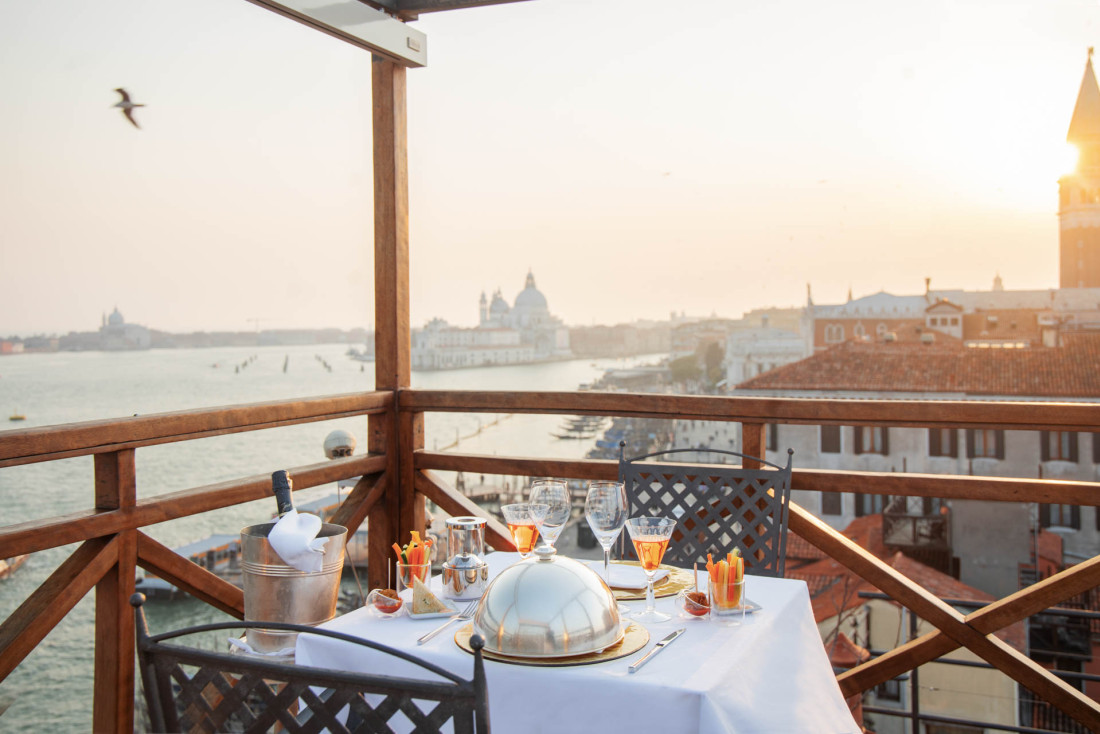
(113, 707)
(391, 519)
(753, 437)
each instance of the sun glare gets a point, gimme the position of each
(1067, 161)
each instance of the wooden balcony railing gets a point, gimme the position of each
(398, 475)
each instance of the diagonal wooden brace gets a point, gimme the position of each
(949, 621)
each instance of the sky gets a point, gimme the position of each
(640, 157)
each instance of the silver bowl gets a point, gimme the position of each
(546, 606)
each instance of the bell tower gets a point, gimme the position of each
(1079, 192)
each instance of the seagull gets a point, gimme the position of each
(128, 107)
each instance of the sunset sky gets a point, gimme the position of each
(640, 156)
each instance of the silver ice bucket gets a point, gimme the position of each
(276, 592)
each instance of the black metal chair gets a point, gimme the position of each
(717, 507)
(189, 689)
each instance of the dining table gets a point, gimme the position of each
(767, 675)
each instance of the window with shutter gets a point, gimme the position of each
(949, 442)
(985, 443)
(1062, 516)
(1058, 446)
(830, 439)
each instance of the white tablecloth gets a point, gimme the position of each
(769, 675)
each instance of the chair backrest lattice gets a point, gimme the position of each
(194, 690)
(717, 507)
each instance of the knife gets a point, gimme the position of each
(656, 649)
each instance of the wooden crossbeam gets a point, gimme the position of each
(48, 443)
(49, 603)
(37, 535)
(453, 502)
(358, 504)
(945, 618)
(190, 577)
(992, 489)
(1015, 416)
(995, 616)
(518, 466)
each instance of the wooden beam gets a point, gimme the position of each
(189, 576)
(518, 466)
(82, 439)
(995, 616)
(945, 618)
(948, 486)
(994, 489)
(392, 332)
(393, 337)
(49, 603)
(357, 505)
(412, 508)
(754, 440)
(454, 503)
(37, 535)
(1017, 416)
(113, 700)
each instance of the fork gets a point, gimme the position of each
(464, 614)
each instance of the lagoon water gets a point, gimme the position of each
(52, 689)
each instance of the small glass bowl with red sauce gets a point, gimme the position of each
(385, 603)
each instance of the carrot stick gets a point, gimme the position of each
(399, 552)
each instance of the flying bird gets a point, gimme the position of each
(128, 107)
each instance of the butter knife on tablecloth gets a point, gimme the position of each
(656, 649)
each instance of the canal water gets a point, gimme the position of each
(52, 688)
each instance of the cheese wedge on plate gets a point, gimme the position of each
(424, 601)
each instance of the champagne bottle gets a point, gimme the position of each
(280, 485)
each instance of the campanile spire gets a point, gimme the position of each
(1079, 192)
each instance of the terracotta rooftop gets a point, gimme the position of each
(1069, 371)
(801, 552)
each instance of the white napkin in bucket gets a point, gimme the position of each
(294, 538)
(626, 577)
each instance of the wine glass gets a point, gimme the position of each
(524, 519)
(555, 495)
(650, 536)
(606, 509)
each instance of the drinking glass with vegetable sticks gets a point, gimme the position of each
(414, 561)
(726, 582)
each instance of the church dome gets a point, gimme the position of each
(499, 306)
(530, 298)
(115, 319)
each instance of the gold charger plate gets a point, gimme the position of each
(677, 580)
(634, 639)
